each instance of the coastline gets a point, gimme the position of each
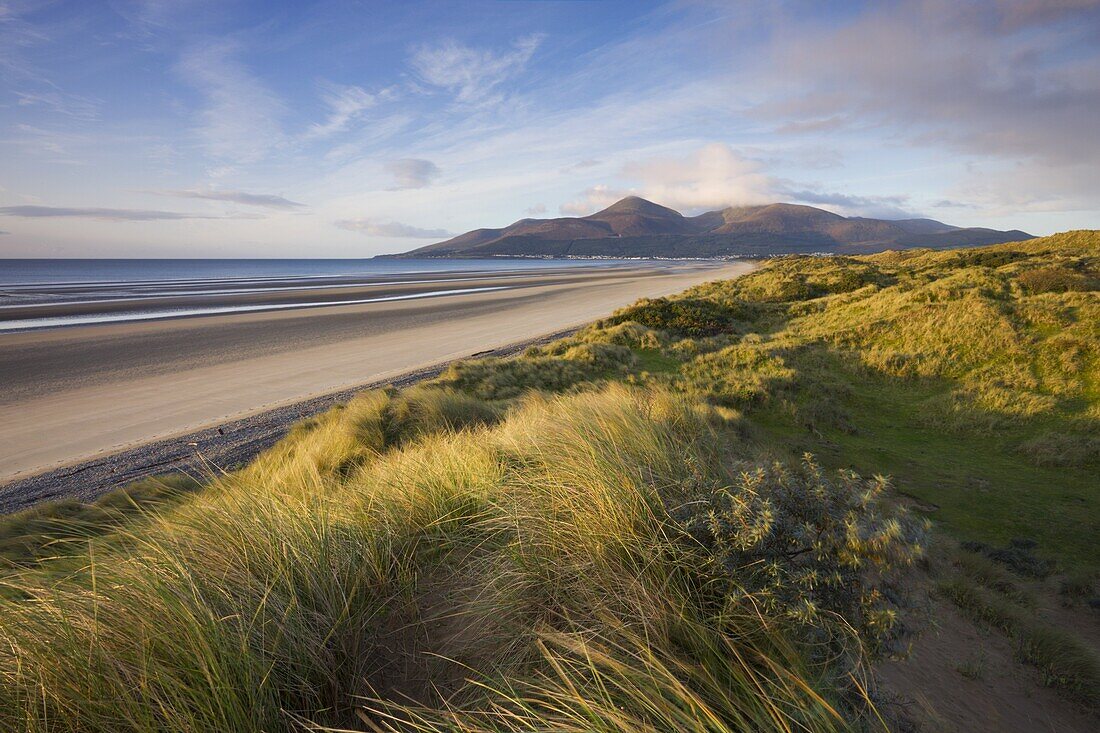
(76, 396)
(219, 447)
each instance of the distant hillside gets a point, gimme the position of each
(634, 227)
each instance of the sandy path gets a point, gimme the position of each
(71, 394)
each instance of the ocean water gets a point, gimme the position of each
(41, 294)
(52, 272)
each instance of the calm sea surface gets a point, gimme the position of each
(33, 272)
(37, 294)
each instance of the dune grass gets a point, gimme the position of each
(969, 376)
(596, 561)
(672, 520)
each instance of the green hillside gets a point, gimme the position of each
(689, 516)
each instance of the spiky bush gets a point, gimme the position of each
(805, 546)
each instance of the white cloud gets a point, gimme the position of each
(382, 228)
(346, 104)
(239, 123)
(536, 210)
(471, 73)
(877, 207)
(1012, 82)
(591, 200)
(70, 105)
(713, 177)
(412, 172)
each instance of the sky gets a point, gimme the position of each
(217, 128)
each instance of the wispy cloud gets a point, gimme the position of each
(239, 121)
(265, 200)
(382, 228)
(70, 105)
(412, 172)
(21, 72)
(471, 73)
(44, 212)
(346, 104)
(536, 210)
(880, 207)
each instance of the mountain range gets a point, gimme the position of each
(635, 227)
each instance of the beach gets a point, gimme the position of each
(76, 392)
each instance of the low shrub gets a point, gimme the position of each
(1062, 449)
(1054, 280)
(1017, 556)
(992, 575)
(684, 316)
(803, 546)
(982, 605)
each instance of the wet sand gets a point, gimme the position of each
(74, 393)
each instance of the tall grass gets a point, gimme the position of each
(467, 575)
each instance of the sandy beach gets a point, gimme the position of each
(82, 391)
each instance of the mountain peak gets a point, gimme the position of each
(635, 227)
(637, 205)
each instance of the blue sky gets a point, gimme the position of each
(209, 128)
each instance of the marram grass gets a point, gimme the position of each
(526, 573)
(596, 536)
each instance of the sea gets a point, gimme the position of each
(73, 271)
(42, 294)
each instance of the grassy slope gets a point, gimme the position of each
(607, 559)
(978, 395)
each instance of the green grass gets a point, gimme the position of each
(980, 489)
(948, 371)
(622, 530)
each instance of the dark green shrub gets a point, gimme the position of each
(1018, 557)
(693, 317)
(988, 258)
(1053, 280)
(804, 546)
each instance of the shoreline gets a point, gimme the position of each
(76, 398)
(216, 447)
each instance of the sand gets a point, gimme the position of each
(70, 394)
